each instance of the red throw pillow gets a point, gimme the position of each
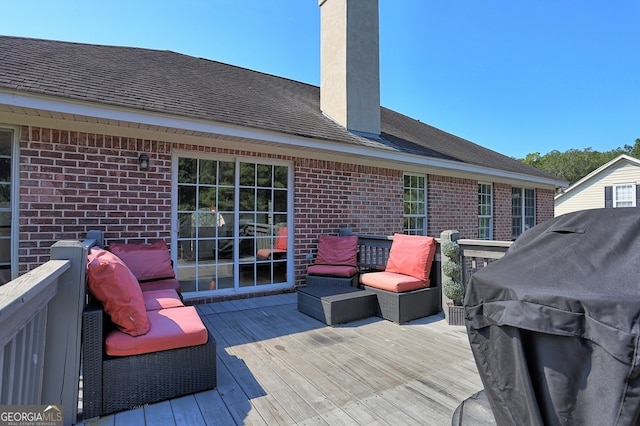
(113, 284)
(334, 250)
(412, 255)
(146, 261)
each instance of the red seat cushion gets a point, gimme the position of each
(170, 284)
(268, 253)
(334, 250)
(146, 261)
(170, 329)
(412, 255)
(391, 281)
(332, 271)
(161, 299)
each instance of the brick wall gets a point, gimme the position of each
(544, 205)
(501, 212)
(73, 182)
(331, 195)
(452, 204)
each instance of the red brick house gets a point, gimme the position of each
(223, 162)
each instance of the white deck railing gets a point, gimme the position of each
(23, 320)
(477, 254)
(40, 332)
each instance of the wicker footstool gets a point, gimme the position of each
(336, 304)
(406, 306)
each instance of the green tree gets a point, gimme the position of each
(633, 150)
(574, 164)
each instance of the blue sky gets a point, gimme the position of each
(514, 76)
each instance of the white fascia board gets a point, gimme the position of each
(105, 112)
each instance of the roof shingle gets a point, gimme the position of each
(195, 88)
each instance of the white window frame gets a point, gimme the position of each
(15, 199)
(483, 194)
(526, 221)
(617, 201)
(237, 288)
(416, 209)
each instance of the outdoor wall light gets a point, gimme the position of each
(143, 161)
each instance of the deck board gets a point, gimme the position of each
(160, 414)
(278, 366)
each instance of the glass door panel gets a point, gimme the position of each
(213, 254)
(205, 224)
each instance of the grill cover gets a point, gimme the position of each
(553, 325)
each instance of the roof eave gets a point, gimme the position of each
(182, 124)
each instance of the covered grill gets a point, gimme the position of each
(553, 325)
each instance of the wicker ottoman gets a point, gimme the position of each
(336, 304)
(406, 306)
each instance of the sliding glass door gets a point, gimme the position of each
(232, 223)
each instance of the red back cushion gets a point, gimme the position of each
(113, 284)
(412, 255)
(281, 239)
(334, 250)
(146, 261)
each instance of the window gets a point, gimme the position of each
(624, 195)
(523, 210)
(485, 211)
(415, 205)
(7, 175)
(232, 220)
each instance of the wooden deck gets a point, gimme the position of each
(277, 366)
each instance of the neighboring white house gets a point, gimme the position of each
(615, 184)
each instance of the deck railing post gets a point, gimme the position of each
(444, 237)
(63, 338)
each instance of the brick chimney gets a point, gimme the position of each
(349, 64)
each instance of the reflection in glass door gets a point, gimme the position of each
(6, 171)
(263, 229)
(231, 225)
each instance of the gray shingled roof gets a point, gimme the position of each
(172, 83)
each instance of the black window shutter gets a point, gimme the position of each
(608, 196)
(637, 195)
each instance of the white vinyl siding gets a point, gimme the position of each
(590, 195)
